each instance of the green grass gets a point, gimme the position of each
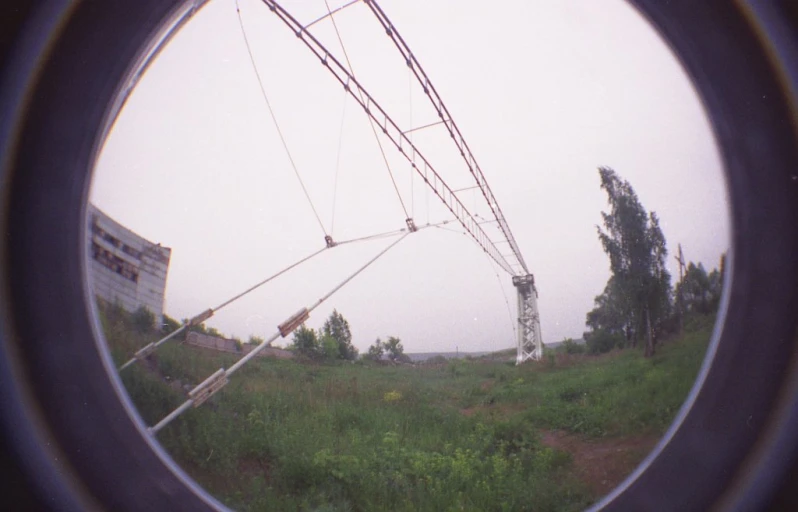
(463, 436)
(619, 394)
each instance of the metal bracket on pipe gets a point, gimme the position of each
(201, 317)
(293, 322)
(209, 386)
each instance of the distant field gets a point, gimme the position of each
(423, 356)
(505, 354)
(461, 435)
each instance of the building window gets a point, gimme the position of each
(114, 262)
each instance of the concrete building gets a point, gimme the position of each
(125, 267)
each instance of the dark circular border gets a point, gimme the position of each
(83, 431)
(718, 453)
(72, 440)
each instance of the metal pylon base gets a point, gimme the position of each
(530, 341)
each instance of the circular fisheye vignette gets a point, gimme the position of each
(84, 260)
(742, 423)
(68, 417)
(181, 14)
(139, 73)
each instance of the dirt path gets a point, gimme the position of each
(601, 464)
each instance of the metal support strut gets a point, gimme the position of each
(530, 341)
(217, 381)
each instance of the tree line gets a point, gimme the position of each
(334, 341)
(639, 303)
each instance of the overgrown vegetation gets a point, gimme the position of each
(569, 346)
(700, 291)
(457, 435)
(143, 320)
(332, 342)
(328, 431)
(392, 349)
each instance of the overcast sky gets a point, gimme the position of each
(544, 92)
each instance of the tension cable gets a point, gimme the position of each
(217, 381)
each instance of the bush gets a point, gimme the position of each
(255, 340)
(330, 347)
(143, 320)
(200, 328)
(393, 347)
(375, 351)
(551, 357)
(569, 346)
(601, 341)
(306, 342)
(455, 367)
(169, 324)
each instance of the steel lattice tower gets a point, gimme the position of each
(530, 341)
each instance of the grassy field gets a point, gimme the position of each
(462, 435)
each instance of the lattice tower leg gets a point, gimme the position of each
(530, 341)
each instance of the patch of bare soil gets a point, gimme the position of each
(601, 464)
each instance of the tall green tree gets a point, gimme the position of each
(607, 317)
(696, 288)
(659, 300)
(376, 351)
(337, 328)
(715, 278)
(394, 348)
(306, 342)
(329, 347)
(637, 297)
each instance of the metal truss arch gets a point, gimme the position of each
(529, 332)
(454, 132)
(396, 135)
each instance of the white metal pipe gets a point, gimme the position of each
(172, 335)
(252, 354)
(159, 342)
(172, 415)
(177, 412)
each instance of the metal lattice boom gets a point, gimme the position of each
(530, 342)
(519, 265)
(397, 136)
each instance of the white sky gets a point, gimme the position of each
(544, 92)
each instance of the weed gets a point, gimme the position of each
(336, 436)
